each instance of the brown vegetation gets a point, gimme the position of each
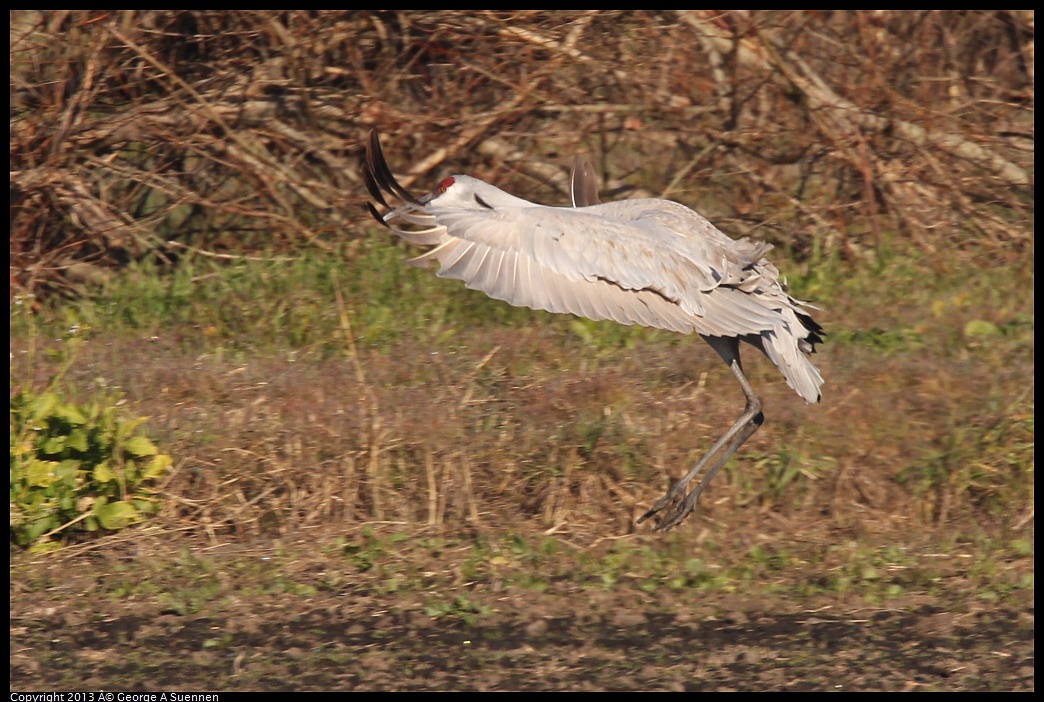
(153, 132)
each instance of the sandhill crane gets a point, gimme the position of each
(651, 262)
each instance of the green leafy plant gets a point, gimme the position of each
(77, 469)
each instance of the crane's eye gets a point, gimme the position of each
(443, 185)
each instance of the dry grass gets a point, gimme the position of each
(181, 133)
(496, 426)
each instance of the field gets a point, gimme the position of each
(384, 481)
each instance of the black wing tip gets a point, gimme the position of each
(377, 215)
(378, 175)
(373, 188)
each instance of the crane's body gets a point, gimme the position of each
(651, 262)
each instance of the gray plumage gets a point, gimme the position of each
(651, 262)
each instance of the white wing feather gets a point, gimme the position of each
(651, 262)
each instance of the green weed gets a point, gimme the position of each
(461, 607)
(76, 467)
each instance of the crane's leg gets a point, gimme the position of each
(680, 504)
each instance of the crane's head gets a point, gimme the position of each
(467, 193)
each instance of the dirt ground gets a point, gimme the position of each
(312, 616)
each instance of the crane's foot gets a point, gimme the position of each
(677, 504)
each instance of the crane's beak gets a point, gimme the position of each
(425, 199)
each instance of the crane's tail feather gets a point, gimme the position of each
(792, 358)
(815, 331)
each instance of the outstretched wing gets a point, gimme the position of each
(650, 262)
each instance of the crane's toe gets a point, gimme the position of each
(678, 506)
(678, 512)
